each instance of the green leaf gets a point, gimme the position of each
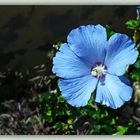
(90, 102)
(133, 24)
(107, 128)
(66, 126)
(104, 115)
(113, 121)
(59, 126)
(61, 99)
(48, 119)
(137, 64)
(49, 113)
(68, 112)
(70, 121)
(96, 129)
(90, 111)
(60, 112)
(136, 36)
(59, 43)
(50, 54)
(135, 75)
(121, 130)
(138, 46)
(109, 31)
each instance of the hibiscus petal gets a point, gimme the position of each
(124, 80)
(77, 91)
(67, 65)
(89, 42)
(121, 52)
(113, 93)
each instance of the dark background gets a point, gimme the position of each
(28, 32)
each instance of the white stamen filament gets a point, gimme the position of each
(98, 71)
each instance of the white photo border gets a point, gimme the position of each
(69, 2)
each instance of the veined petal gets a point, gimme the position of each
(113, 93)
(121, 52)
(67, 65)
(124, 80)
(89, 42)
(77, 91)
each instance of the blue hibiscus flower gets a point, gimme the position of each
(88, 61)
